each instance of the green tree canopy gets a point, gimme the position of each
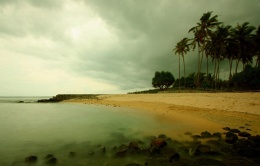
(163, 80)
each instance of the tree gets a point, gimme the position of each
(162, 80)
(201, 34)
(242, 35)
(182, 48)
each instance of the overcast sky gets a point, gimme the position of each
(48, 47)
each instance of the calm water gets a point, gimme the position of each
(58, 128)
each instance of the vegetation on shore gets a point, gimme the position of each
(218, 42)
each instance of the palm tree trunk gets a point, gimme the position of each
(207, 66)
(230, 68)
(179, 71)
(237, 63)
(198, 76)
(184, 70)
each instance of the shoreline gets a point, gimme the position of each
(197, 111)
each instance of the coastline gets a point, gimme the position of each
(197, 111)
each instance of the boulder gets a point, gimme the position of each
(244, 134)
(31, 159)
(231, 138)
(158, 143)
(205, 134)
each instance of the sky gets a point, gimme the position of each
(52, 47)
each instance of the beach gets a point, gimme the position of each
(196, 111)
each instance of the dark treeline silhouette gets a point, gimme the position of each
(216, 42)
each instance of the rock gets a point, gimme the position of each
(31, 159)
(254, 141)
(72, 154)
(226, 128)
(174, 157)
(133, 164)
(133, 145)
(158, 143)
(244, 134)
(216, 135)
(234, 130)
(49, 156)
(231, 138)
(52, 161)
(162, 136)
(239, 161)
(205, 134)
(202, 149)
(183, 162)
(102, 149)
(208, 162)
(121, 152)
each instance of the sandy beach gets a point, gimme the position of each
(196, 112)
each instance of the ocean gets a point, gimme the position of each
(31, 128)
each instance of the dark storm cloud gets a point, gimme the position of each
(149, 30)
(118, 42)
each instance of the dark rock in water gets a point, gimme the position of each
(207, 162)
(239, 161)
(226, 128)
(20, 102)
(162, 136)
(202, 149)
(254, 141)
(183, 162)
(158, 143)
(244, 134)
(174, 157)
(205, 134)
(121, 152)
(31, 159)
(72, 154)
(231, 138)
(196, 137)
(102, 149)
(216, 135)
(133, 164)
(52, 161)
(49, 156)
(133, 147)
(234, 130)
(157, 161)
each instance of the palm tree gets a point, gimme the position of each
(182, 48)
(218, 47)
(242, 35)
(202, 32)
(257, 46)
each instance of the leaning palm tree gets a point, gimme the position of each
(257, 46)
(202, 32)
(242, 34)
(219, 42)
(182, 48)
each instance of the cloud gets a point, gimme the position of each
(119, 44)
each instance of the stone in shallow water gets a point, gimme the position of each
(226, 128)
(52, 161)
(205, 134)
(239, 161)
(234, 130)
(31, 159)
(244, 134)
(207, 162)
(231, 138)
(216, 135)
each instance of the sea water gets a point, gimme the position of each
(32, 128)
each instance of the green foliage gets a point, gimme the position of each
(248, 79)
(162, 80)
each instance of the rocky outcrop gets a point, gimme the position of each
(62, 97)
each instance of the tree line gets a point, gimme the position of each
(216, 42)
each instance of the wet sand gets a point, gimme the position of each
(196, 112)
